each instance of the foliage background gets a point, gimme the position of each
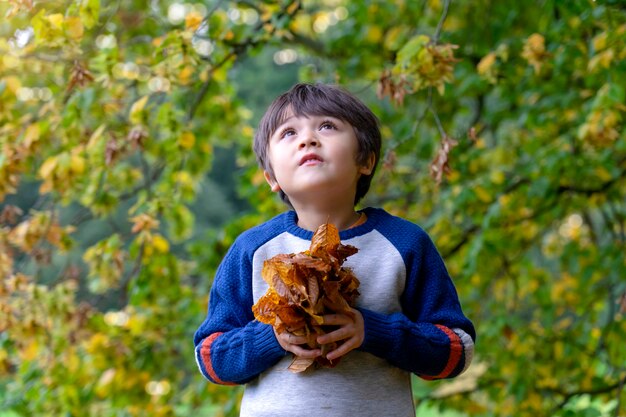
(126, 172)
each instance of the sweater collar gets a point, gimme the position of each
(373, 217)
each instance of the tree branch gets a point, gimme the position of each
(442, 19)
(237, 50)
(620, 388)
(601, 390)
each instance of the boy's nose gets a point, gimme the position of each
(308, 139)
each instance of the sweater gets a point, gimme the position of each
(413, 323)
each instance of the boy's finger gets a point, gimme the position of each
(340, 351)
(291, 339)
(336, 319)
(305, 353)
(335, 336)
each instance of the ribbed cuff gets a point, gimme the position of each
(377, 332)
(267, 344)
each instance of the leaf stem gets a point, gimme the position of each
(442, 19)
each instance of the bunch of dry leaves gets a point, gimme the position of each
(305, 286)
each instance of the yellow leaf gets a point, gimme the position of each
(558, 350)
(160, 244)
(46, 187)
(293, 7)
(99, 342)
(374, 34)
(30, 351)
(601, 60)
(137, 324)
(392, 38)
(193, 20)
(603, 174)
(574, 22)
(482, 194)
(596, 333)
(187, 140)
(74, 27)
(11, 61)
(220, 75)
(77, 164)
(137, 108)
(95, 136)
(147, 253)
(504, 200)
(48, 167)
(485, 67)
(497, 177)
(184, 178)
(534, 51)
(536, 42)
(534, 401)
(247, 131)
(13, 83)
(258, 178)
(56, 20)
(475, 279)
(486, 62)
(453, 175)
(206, 148)
(31, 135)
(72, 360)
(599, 42)
(185, 74)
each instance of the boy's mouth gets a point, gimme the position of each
(311, 159)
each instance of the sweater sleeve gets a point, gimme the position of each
(431, 337)
(231, 347)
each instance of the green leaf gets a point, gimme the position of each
(411, 48)
(89, 12)
(616, 94)
(180, 220)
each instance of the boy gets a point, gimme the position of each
(318, 146)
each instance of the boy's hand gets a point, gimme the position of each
(296, 345)
(351, 330)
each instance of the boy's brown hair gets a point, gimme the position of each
(322, 100)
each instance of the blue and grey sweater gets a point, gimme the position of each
(412, 315)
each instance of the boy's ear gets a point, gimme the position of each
(271, 181)
(368, 167)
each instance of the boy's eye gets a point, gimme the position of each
(327, 124)
(286, 132)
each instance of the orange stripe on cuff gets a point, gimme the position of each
(205, 354)
(456, 351)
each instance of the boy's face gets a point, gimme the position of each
(314, 158)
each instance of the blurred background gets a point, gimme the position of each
(126, 171)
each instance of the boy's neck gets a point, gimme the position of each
(311, 217)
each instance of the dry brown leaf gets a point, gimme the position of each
(305, 286)
(441, 164)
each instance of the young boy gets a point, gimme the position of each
(318, 146)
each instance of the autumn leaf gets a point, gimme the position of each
(325, 240)
(304, 287)
(136, 109)
(534, 51)
(143, 222)
(441, 164)
(80, 76)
